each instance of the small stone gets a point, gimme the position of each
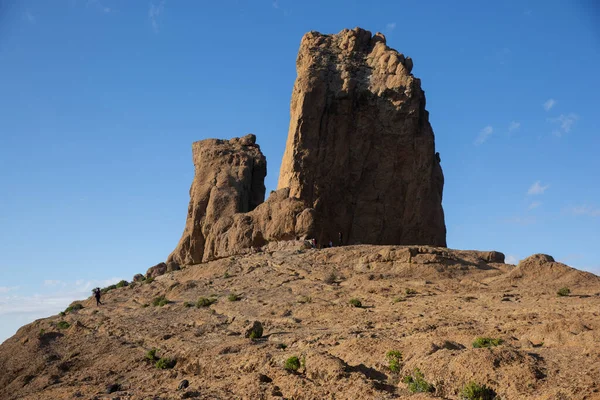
(264, 378)
(113, 387)
(183, 384)
(255, 331)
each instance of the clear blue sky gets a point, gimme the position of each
(101, 100)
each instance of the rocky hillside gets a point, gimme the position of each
(459, 317)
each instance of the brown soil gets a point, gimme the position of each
(301, 296)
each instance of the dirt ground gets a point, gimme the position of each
(428, 303)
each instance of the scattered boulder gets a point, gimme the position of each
(264, 378)
(254, 331)
(360, 149)
(157, 270)
(183, 384)
(138, 278)
(492, 256)
(172, 266)
(113, 387)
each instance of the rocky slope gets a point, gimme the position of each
(360, 149)
(430, 304)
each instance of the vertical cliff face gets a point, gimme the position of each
(360, 148)
(229, 179)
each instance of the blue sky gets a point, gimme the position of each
(100, 101)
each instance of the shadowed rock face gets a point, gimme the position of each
(360, 148)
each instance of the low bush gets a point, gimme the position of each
(160, 301)
(108, 289)
(563, 291)
(205, 302)
(234, 297)
(394, 359)
(292, 364)
(355, 303)
(474, 391)
(410, 292)
(149, 280)
(482, 342)
(122, 283)
(151, 355)
(166, 363)
(74, 307)
(417, 383)
(63, 325)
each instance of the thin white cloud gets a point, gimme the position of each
(484, 135)
(514, 125)
(275, 3)
(53, 282)
(585, 210)
(534, 205)
(510, 259)
(154, 13)
(520, 220)
(549, 104)
(29, 17)
(107, 9)
(537, 188)
(564, 123)
(17, 310)
(390, 27)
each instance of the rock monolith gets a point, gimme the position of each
(360, 149)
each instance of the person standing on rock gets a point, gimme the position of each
(340, 237)
(97, 293)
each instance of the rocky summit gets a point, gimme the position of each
(247, 307)
(352, 322)
(360, 149)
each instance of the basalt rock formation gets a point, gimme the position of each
(360, 161)
(360, 148)
(226, 213)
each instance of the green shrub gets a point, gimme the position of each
(108, 289)
(282, 346)
(205, 302)
(149, 279)
(151, 355)
(410, 292)
(63, 325)
(122, 283)
(74, 307)
(62, 313)
(226, 275)
(165, 363)
(188, 304)
(355, 303)
(41, 332)
(563, 291)
(482, 342)
(160, 301)
(234, 297)
(394, 359)
(417, 383)
(474, 391)
(398, 300)
(292, 364)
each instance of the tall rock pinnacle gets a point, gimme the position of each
(360, 149)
